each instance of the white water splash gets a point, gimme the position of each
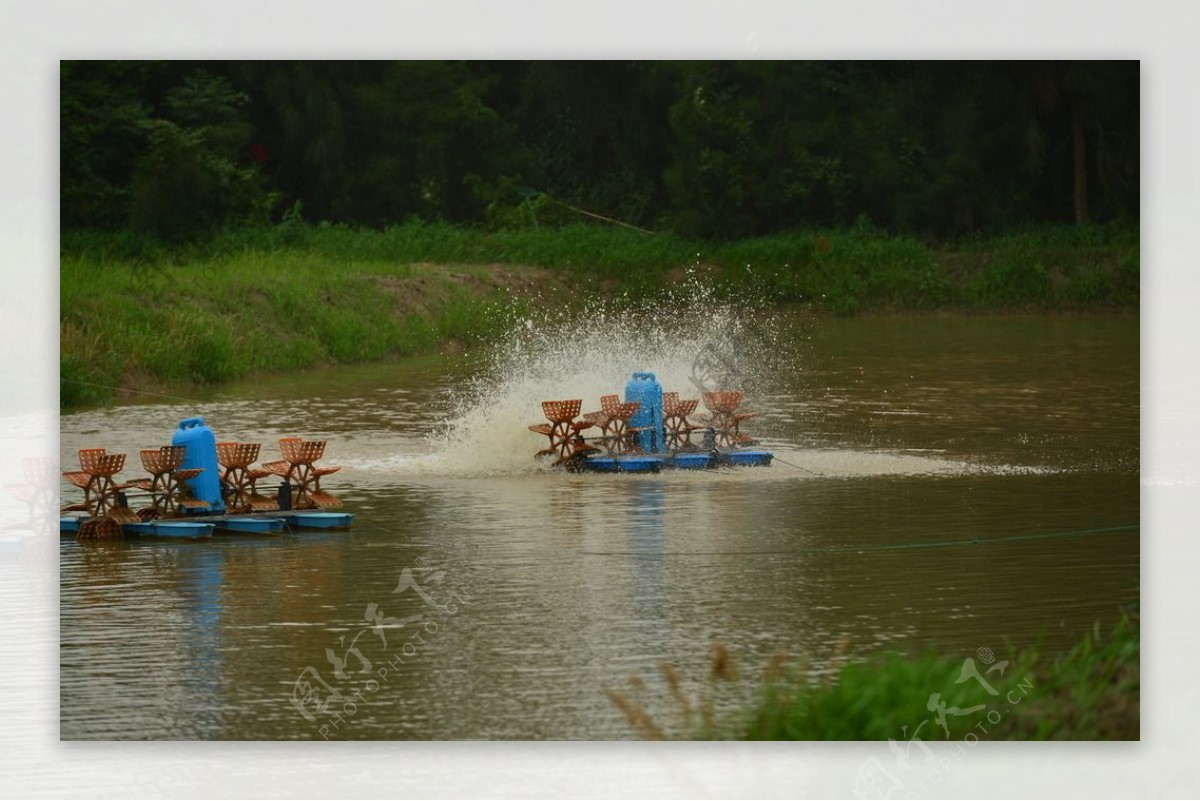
(560, 356)
(688, 338)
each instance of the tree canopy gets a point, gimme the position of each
(716, 149)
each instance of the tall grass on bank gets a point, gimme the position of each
(295, 295)
(840, 271)
(1090, 693)
(231, 315)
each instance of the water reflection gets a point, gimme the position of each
(647, 516)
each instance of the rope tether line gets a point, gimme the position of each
(798, 467)
(129, 390)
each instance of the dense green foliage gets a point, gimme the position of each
(1092, 692)
(224, 218)
(707, 150)
(137, 313)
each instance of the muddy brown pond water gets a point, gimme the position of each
(941, 484)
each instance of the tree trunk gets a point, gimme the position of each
(1081, 188)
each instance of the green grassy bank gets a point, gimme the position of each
(148, 328)
(1092, 692)
(139, 313)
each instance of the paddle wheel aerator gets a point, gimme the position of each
(649, 430)
(196, 484)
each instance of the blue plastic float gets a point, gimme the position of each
(318, 519)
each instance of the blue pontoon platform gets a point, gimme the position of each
(205, 527)
(654, 462)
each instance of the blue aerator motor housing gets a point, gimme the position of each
(645, 389)
(201, 445)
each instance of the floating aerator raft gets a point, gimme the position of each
(648, 431)
(196, 486)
